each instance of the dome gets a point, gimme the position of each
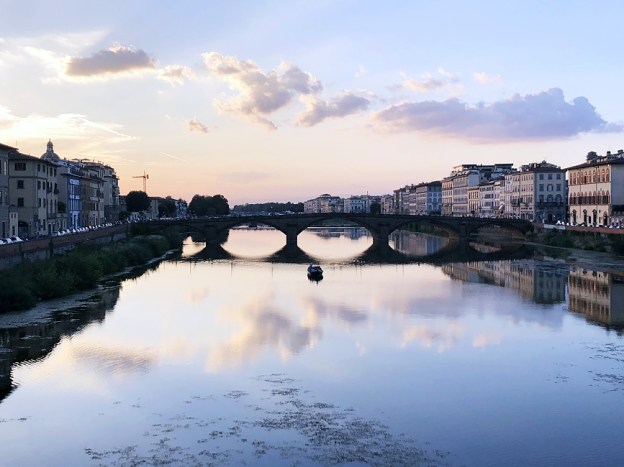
(50, 155)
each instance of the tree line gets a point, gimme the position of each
(200, 205)
(268, 207)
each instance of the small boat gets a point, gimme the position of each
(315, 272)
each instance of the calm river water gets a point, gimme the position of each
(242, 360)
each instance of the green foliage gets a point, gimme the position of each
(216, 205)
(617, 244)
(84, 266)
(137, 201)
(558, 239)
(15, 294)
(166, 208)
(81, 269)
(375, 208)
(268, 207)
(48, 282)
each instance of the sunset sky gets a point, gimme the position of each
(285, 100)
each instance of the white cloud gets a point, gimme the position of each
(318, 110)
(484, 78)
(66, 126)
(117, 59)
(428, 82)
(176, 74)
(260, 93)
(545, 115)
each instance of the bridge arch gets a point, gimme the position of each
(379, 225)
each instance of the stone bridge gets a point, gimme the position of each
(379, 225)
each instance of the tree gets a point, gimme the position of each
(137, 201)
(166, 207)
(375, 208)
(209, 205)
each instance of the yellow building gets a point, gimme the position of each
(33, 190)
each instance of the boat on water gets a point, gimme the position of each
(315, 272)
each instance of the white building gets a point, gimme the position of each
(596, 190)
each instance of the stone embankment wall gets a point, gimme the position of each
(43, 248)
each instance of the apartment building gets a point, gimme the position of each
(596, 190)
(455, 187)
(33, 189)
(323, 204)
(428, 198)
(387, 204)
(537, 192)
(402, 199)
(5, 229)
(356, 204)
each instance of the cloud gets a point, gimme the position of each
(318, 110)
(117, 59)
(484, 78)
(429, 82)
(259, 93)
(176, 74)
(545, 115)
(196, 125)
(68, 125)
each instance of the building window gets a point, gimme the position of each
(20, 166)
(20, 202)
(20, 184)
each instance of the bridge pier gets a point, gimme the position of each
(292, 232)
(380, 236)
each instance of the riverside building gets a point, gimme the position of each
(596, 190)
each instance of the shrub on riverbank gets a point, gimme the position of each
(23, 285)
(589, 241)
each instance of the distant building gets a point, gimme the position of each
(387, 204)
(356, 204)
(428, 198)
(324, 203)
(455, 187)
(596, 190)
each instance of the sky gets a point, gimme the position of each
(285, 100)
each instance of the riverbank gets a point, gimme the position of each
(30, 282)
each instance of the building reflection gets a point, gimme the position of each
(597, 295)
(33, 341)
(417, 244)
(352, 233)
(532, 282)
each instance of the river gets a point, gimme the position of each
(231, 356)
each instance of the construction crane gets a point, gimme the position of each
(144, 177)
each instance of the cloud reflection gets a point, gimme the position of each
(111, 361)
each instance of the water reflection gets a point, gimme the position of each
(22, 343)
(417, 244)
(599, 296)
(223, 357)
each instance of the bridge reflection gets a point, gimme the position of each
(454, 251)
